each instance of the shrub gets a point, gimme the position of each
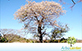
(2, 39)
(63, 41)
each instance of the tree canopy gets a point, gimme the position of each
(59, 32)
(37, 16)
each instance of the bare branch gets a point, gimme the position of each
(73, 1)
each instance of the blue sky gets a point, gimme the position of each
(72, 17)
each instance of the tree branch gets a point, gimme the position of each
(73, 1)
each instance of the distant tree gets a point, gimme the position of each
(37, 16)
(71, 40)
(59, 32)
(8, 31)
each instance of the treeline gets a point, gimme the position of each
(9, 38)
(12, 38)
(11, 35)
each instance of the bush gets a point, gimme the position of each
(2, 39)
(27, 40)
(64, 41)
(31, 41)
(56, 41)
(53, 41)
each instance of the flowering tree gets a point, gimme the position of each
(37, 16)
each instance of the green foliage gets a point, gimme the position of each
(59, 32)
(63, 41)
(2, 39)
(55, 40)
(71, 40)
(27, 40)
(31, 41)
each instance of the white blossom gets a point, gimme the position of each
(46, 9)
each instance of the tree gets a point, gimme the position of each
(4, 32)
(59, 32)
(71, 40)
(38, 16)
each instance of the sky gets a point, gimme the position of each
(72, 17)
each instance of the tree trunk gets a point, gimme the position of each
(39, 31)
